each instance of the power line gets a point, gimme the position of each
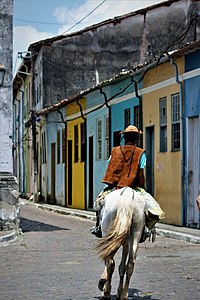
(85, 16)
(37, 22)
(60, 24)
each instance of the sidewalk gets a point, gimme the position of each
(181, 233)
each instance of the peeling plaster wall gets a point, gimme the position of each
(9, 204)
(6, 48)
(111, 47)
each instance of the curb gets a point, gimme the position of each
(169, 232)
(8, 237)
(66, 211)
(178, 236)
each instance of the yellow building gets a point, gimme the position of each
(76, 152)
(162, 102)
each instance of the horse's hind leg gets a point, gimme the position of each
(130, 264)
(122, 269)
(110, 266)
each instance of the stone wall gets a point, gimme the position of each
(9, 204)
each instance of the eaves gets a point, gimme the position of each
(48, 42)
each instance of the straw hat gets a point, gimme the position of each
(131, 129)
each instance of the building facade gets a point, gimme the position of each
(9, 206)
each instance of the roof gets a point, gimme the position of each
(125, 74)
(47, 42)
(22, 72)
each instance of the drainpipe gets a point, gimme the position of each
(109, 115)
(182, 135)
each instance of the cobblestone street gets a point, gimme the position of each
(55, 259)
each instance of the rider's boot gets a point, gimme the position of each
(97, 229)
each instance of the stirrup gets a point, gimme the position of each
(97, 231)
(148, 234)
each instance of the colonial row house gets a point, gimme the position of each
(68, 142)
(75, 136)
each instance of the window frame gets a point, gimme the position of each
(175, 122)
(106, 137)
(163, 123)
(99, 139)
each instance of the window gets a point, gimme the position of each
(107, 150)
(127, 117)
(99, 139)
(175, 100)
(76, 143)
(137, 117)
(43, 148)
(63, 146)
(83, 154)
(58, 147)
(138, 123)
(163, 124)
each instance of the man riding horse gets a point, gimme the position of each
(125, 169)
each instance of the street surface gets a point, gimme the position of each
(55, 259)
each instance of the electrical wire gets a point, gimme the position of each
(37, 22)
(84, 17)
(59, 24)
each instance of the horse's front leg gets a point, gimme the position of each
(122, 269)
(110, 266)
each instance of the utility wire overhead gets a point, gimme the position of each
(60, 24)
(85, 17)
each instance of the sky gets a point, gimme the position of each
(35, 20)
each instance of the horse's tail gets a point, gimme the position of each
(108, 245)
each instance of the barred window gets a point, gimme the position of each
(137, 117)
(138, 123)
(175, 110)
(106, 151)
(163, 124)
(99, 139)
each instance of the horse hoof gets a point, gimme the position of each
(101, 284)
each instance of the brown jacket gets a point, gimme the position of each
(123, 168)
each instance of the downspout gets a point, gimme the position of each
(109, 115)
(182, 135)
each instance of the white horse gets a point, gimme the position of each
(123, 220)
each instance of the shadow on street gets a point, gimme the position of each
(29, 225)
(133, 294)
